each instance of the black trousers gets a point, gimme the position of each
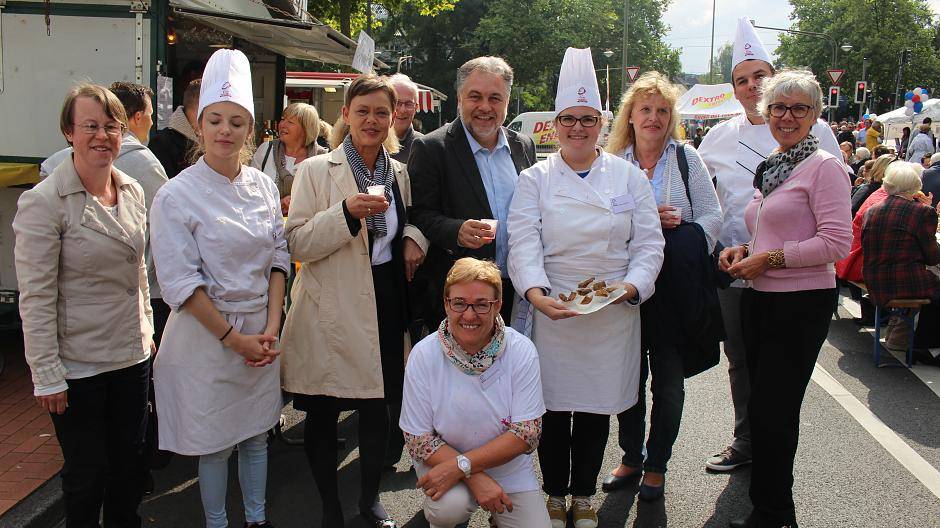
(783, 332)
(102, 436)
(571, 452)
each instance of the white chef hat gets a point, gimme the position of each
(227, 77)
(747, 45)
(577, 82)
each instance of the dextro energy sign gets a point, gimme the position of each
(705, 103)
(544, 133)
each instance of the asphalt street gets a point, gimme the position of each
(845, 476)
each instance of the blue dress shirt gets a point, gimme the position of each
(499, 179)
(657, 181)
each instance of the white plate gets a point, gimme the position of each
(596, 302)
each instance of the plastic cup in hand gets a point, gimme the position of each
(492, 223)
(676, 213)
(376, 190)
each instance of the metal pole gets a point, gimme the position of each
(835, 60)
(626, 37)
(711, 51)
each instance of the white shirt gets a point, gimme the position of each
(732, 150)
(382, 247)
(470, 411)
(209, 231)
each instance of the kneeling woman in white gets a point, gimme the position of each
(221, 257)
(472, 408)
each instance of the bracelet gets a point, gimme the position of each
(776, 259)
(227, 332)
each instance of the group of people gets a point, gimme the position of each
(493, 241)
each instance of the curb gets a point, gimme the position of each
(43, 508)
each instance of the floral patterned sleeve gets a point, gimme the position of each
(528, 431)
(421, 447)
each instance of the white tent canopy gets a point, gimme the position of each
(895, 120)
(709, 101)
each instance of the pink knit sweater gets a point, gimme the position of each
(810, 217)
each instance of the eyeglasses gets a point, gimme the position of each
(798, 111)
(588, 121)
(460, 306)
(407, 105)
(111, 129)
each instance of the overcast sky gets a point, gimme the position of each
(691, 20)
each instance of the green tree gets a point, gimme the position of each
(876, 30)
(532, 36)
(350, 15)
(721, 65)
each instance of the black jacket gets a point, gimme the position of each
(172, 149)
(931, 179)
(684, 311)
(446, 190)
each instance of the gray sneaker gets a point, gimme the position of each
(727, 460)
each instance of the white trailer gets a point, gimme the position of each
(46, 47)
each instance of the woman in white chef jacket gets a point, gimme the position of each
(580, 213)
(221, 258)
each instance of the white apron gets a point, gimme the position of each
(207, 398)
(589, 363)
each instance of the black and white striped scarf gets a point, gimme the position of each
(382, 176)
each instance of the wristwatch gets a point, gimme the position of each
(464, 464)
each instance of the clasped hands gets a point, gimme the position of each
(736, 262)
(255, 348)
(486, 491)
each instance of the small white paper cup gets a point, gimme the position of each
(376, 190)
(677, 213)
(492, 223)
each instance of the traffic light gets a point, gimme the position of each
(906, 56)
(833, 96)
(860, 87)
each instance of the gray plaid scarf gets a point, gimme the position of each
(364, 178)
(777, 168)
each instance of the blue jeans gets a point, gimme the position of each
(668, 397)
(252, 475)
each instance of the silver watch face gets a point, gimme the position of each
(463, 464)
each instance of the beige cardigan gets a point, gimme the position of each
(330, 342)
(82, 276)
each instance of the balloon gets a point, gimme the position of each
(924, 93)
(866, 117)
(916, 99)
(909, 104)
(918, 91)
(918, 107)
(908, 111)
(908, 95)
(872, 116)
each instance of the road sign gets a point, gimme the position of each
(633, 72)
(835, 75)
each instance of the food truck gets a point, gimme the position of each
(46, 47)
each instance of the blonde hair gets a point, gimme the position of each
(901, 179)
(469, 269)
(101, 95)
(325, 130)
(877, 171)
(649, 84)
(308, 117)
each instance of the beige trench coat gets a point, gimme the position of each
(330, 342)
(82, 276)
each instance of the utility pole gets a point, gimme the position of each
(626, 37)
(711, 52)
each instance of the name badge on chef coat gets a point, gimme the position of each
(622, 203)
(488, 378)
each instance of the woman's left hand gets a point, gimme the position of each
(440, 479)
(668, 217)
(413, 258)
(751, 267)
(272, 348)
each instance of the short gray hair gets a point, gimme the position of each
(400, 79)
(790, 83)
(494, 65)
(901, 179)
(862, 153)
(935, 158)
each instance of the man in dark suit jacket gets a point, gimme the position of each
(458, 172)
(931, 179)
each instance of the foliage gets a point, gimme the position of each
(877, 30)
(721, 65)
(350, 15)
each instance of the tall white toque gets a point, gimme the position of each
(227, 77)
(577, 82)
(747, 45)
